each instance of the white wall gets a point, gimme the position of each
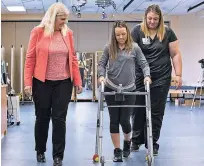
(190, 32)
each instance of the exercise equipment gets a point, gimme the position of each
(119, 96)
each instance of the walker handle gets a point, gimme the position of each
(147, 86)
(102, 86)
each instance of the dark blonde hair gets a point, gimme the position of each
(161, 27)
(113, 45)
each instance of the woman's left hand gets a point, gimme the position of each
(79, 89)
(178, 80)
(147, 79)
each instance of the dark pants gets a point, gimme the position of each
(158, 103)
(119, 115)
(51, 100)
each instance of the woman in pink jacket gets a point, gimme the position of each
(51, 71)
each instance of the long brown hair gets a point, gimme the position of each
(113, 46)
(161, 27)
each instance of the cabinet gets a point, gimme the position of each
(3, 110)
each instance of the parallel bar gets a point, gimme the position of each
(125, 93)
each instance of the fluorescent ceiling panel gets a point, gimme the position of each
(16, 8)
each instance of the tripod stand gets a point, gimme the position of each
(201, 84)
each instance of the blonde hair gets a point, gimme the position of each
(48, 21)
(161, 27)
(113, 46)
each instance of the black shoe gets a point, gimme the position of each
(155, 149)
(57, 161)
(117, 155)
(126, 148)
(41, 157)
(155, 152)
(135, 147)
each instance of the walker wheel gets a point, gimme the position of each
(95, 158)
(149, 160)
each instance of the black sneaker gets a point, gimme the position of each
(126, 148)
(155, 152)
(57, 161)
(41, 157)
(155, 149)
(135, 147)
(117, 155)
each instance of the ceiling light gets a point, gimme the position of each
(16, 8)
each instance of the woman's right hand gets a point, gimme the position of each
(101, 79)
(28, 90)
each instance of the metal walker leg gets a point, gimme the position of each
(99, 127)
(150, 156)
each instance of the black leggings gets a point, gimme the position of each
(158, 103)
(119, 115)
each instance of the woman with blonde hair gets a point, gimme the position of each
(51, 70)
(121, 54)
(159, 45)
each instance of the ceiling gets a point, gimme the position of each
(169, 7)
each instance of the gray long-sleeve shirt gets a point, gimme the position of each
(122, 69)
